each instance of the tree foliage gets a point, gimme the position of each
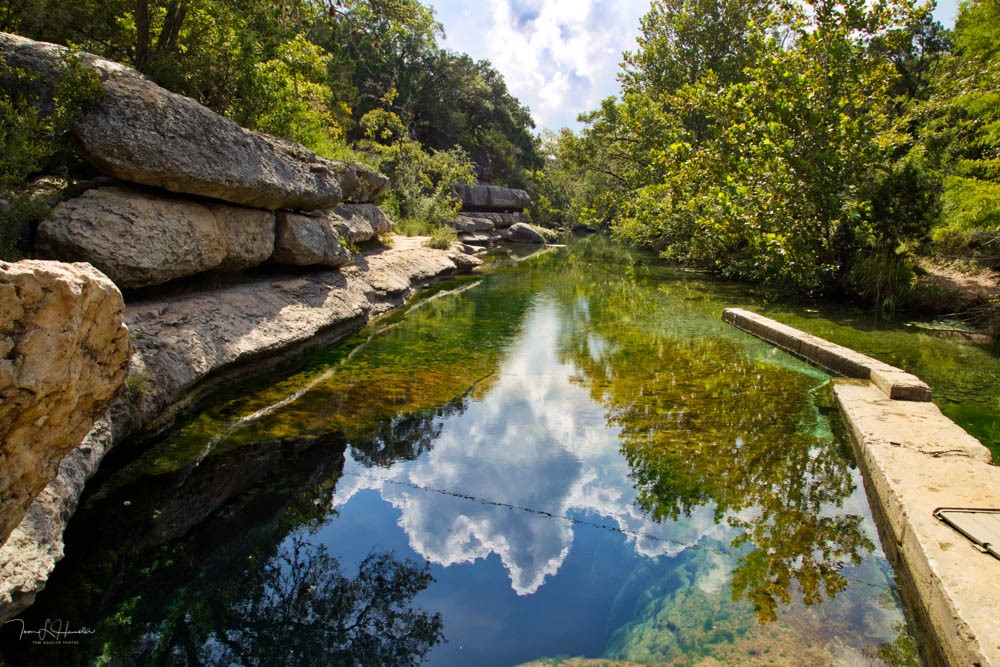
(306, 70)
(810, 146)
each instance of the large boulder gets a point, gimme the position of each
(498, 220)
(140, 238)
(360, 185)
(524, 233)
(142, 133)
(43, 60)
(360, 222)
(309, 240)
(491, 198)
(64, 350)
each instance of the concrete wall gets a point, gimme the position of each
(915, 460)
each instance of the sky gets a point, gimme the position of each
(559, 57)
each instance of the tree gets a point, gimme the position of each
(959, 130)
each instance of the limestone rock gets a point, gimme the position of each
(499, 220)
(491, 198)
(469, 224)
(465, 261)
(361, 222)
(139, 239)
(524, 233)
(480, 239)
(143, 133)
(63, 353)
(307, 240)
(359, 184)
(42, 60)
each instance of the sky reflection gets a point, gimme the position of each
(511, 473)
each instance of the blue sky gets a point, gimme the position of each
(559, 57)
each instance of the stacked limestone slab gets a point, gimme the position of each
(915, 460)
(198, 192)
(491, 213)
(192, 193)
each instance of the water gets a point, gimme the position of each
(568, 459)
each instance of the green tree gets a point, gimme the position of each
(959, 128)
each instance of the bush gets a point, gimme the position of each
(442, 238)
(421, 197)
(883, 278)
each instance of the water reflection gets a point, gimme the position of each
(506, 475)
(701, 423)
(585, 458)
(297, 608)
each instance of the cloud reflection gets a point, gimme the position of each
(509, 474)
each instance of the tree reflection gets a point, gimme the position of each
(703, 423)
(296, 608)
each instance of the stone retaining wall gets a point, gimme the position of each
(914, 460)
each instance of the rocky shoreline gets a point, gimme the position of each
(186, 344)
(234, 250)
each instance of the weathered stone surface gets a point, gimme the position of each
(42, 59)
(63, 352)
(896, 383)
(465, 261)
(361, 222)
(499, 220)
(524, 233)
(481, 239)
(359, 184)
(139, 239)
(142, 133)
(916, 460)
(491, 198)
(182, 341)
(469, 224)
(306, 240)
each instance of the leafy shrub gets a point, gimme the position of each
(421, 180)
(441, 238)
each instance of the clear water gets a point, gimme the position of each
(568, 460)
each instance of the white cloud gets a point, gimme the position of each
(503, 476)
(559, 57)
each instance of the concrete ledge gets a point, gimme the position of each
(894, 382)
(915, 460)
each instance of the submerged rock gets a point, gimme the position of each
(63, 353)
(140, 239)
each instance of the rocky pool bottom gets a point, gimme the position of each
(569, 456)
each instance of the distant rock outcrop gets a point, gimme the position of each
(140, 239)
(492, 198)
(491, 214)
(523, 233)
(63, 353)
